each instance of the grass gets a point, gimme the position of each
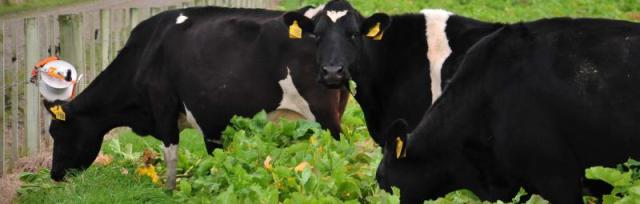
(35, 4)
(99, 185)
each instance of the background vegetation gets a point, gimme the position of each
(296, 162)
(10, 6)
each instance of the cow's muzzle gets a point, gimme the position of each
(333, 76)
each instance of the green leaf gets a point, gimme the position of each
(185, 187)
(536, 199)
(609, 175)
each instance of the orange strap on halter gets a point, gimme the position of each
(44, 61)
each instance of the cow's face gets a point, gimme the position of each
(339, 31)
(417, 178)
(75, 146)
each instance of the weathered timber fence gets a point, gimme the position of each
(87, 39)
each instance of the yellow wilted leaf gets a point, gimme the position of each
(301, 166)
(267, 163)
(149, 171)
(103, 159)
(313, 140)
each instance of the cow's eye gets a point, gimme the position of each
(353, 36)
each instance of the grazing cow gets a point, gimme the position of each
(201, 65)
(400, 63)
(531, 105)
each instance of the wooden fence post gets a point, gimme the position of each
(71, 48)
(134, 19)
(199, 3)
(186, 4)
(32, 52)
(153, 11)
(124, 30)
(105, 30)
(3, 83)
(15, 100)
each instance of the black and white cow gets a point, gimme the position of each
(200, 64)
(531, 105)
(400, 63)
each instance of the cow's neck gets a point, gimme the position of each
(112, 99)
(394, 79)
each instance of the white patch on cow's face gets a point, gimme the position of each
(292, 100)
(313, 12)
(438, 45)
(336, 15)
(190, 119)
(181, 19)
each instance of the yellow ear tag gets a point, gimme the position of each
(399, 145)
(374, 31)
(58, 113)
(295, 32)
(379, 37)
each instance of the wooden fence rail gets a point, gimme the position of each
(89, 40)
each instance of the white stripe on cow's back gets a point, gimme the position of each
(336, 15)
(438, 47)
(312, 12)
(181, 19)
(292, 100)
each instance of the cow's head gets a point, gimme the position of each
(407, 167)
(76, 143)
(340, 32)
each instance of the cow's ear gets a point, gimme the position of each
(396, 139)
(374, 26)
(298, 24)
(56, 109)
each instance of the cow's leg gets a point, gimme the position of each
(212, 142)
(213, 134)
(166, 114)
(171, 158)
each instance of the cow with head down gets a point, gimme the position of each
(195, 66)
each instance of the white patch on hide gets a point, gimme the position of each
(438, 45)
(292, 100)
(336, 15)
(181, 19)
(191, 120)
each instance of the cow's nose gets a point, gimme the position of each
(333, 69)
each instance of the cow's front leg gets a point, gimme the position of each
(171, 158)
